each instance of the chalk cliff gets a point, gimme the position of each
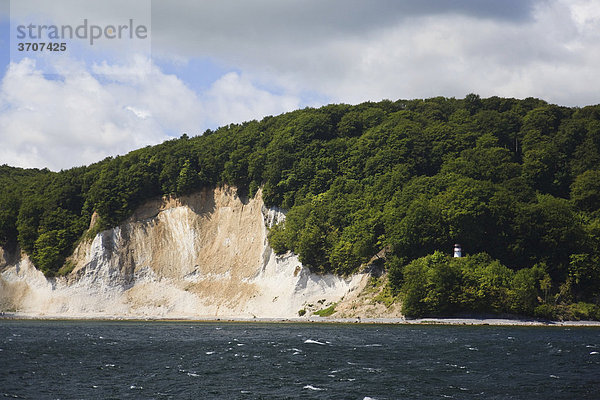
(200, 256)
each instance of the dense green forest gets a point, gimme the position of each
(516, 182)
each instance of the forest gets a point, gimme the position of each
(516, 182)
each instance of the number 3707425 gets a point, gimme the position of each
(42, 46)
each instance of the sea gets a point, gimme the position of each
(231, 360)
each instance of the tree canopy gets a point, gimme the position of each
(515, 180)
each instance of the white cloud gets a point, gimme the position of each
(142, 114)
(84, 117)
(354, 51)
(553, 56)
(73, 120)
(234, 98)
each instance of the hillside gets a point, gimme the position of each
(516, 182)
(199, 256)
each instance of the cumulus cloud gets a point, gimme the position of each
(234, 98)
(228, 24)
(70, 121)
(352, 51)
(84, 116)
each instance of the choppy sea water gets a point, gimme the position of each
(163, 360)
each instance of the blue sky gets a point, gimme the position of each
(4, 36)
(212, 63)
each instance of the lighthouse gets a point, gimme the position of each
(457, 250)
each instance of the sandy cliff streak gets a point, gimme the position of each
(204, 255)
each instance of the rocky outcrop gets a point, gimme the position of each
(199, 256)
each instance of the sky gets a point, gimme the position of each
(211, 63)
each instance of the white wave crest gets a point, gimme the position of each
(311, 387)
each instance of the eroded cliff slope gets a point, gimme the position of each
(204, 255)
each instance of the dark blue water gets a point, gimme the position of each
(162, 360)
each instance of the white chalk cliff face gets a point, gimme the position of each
(200, 256)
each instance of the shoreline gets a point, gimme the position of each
(484, 321)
